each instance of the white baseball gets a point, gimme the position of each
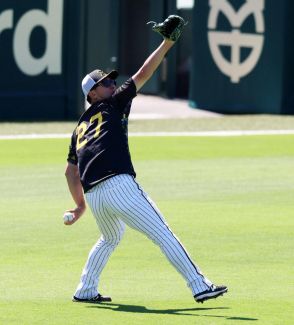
(68, 216)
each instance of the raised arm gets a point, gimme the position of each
(170, 30)
(151, 64)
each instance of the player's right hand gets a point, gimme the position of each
(77, 212)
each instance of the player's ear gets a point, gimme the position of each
(92, 94)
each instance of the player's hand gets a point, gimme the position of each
(77, 212)
(170, 29)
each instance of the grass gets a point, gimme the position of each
(229, 200)
(226, 122)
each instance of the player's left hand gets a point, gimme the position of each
(77, 212)
(171, 29)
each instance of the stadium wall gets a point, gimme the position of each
(47, 46)
(243, 56)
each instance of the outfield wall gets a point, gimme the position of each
(243, 56)
(47, 46)
(39, 59)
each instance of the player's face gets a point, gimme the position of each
(103, 90)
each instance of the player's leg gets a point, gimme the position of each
(137, 210)
(112, 230)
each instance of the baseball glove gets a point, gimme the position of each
(171, 28)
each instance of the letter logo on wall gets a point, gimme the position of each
(52, 22)
(235, 39)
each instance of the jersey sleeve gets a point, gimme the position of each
(72, 154)
(124, 94)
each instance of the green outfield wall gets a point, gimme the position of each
(243, 56)
(47, 46)
(235, 56)
(39, 59)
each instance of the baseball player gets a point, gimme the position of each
(100, 170)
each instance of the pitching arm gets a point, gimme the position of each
(76, 190)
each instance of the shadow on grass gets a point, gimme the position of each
(181, 312)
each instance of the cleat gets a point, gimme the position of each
(212, 292)
(95, 300)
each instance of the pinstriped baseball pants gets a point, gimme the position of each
(118, 201)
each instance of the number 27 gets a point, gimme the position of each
(82, 128)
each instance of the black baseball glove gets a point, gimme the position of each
(171, 28)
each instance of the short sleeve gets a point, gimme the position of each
(124, 94)
(72, 154)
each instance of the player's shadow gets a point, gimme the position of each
(181, 312)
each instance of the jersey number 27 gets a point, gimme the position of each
(82, 128)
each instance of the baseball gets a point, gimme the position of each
(68, 216)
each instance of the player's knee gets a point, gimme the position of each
(113, 242)
(166, 239)
(115, 238)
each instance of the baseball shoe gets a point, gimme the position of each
(212, 292)
(94, 300)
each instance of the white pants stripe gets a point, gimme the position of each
(119, 201)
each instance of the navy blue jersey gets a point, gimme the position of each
(99, 144)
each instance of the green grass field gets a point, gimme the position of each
(226, 122)
(229, 200)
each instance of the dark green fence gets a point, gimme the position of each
(243, 56)
(39, 59)
(47, 46)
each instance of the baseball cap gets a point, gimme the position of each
(94, 77)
